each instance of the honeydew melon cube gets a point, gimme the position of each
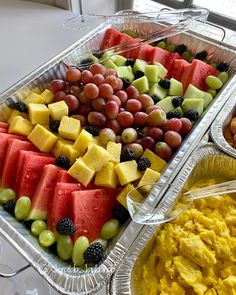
(33, 98)
(166, 104)
(107, 54)
(121, 197)
(69, 128)
(141, 84)
(39, 113)
(151, 72)
(47, 96)
(42, 138)
(109, 64)
(125, 72)
(179, 110)
(193, 92)
(150, 176)
(107, 176)
(157, 163)
(176, 87)
(119, 60)
(162, 71)
(139, 65)
(93, 58)
(196, 104)
(114, 149)
(58, 110)
(20, 126)
(158, 91)
(81, 172)
(83, 141)
(207, 99)
(127, 172)
(15, 113)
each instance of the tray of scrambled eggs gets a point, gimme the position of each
(196, 252)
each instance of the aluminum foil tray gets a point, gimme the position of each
(205, 163)
(221, 122)
(62, 276)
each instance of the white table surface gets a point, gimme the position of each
(31, 34)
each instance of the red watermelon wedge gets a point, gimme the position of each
(172, 57)
(126, 38)
(158, 54)
(3, 130)
(64, 177)
(4, 125)
(111, 38)
(91, 209)
(177, 68)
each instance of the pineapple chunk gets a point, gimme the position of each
(15, 113)
(59, 146)
(107, 176)
(5, 112)
(33, 98)
(70, 152)
(58, 110)
(39, 113)
(96, 157)
(43, 139)
(21, 126)
(149, 177)
(83, 141)
(121, 198)
(127, 172)
(47, 96)
(36, 90)
(115, 150)
(80, 171)
(95, 140)
(157, 163)
(69, 128)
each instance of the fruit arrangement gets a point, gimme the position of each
(70, 154)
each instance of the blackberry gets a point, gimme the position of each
(86, 61)
(201, 55)
(143, 164)
(164, 83)
(21, 106)
(120, 213)
(173, 114)
(63, 162)
(94, 253)
(98, 54)
(155, 99)
(222, 67)
(28, 223)
(177, 101)
(192, 115)
(127, 155)
(9, 206)
(92, 130)
(126, 83)
(53, 248)
(138, 74)
(65, 226)
(180, 49)
(10, 102)
(130, 62)
(54, 125)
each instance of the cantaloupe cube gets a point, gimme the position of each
(47, 96)
(42, 138)
(106, 176)
(80, 171)
(70, 152)
(83, 141)
(114, 149)
(58, 110)
(157, 163)
(69, 128)
(15, 113)
(121, 197)
(149, 177)
(96, 157)
(127, 172)
(20, 126)
(59, 146)
(39, 113)
(33, 98)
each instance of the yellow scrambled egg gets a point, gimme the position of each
(195, 253)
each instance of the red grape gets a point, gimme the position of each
(186, 126)
(73, 75)
(84, 99)
(72, 102)
(163, 150)
(133, 105)
(98, 79)
(86, 77)
(105, 90)
(140, 118)
(145, 131)
(116, 99)
(136, 147)
(59, 96)
(173, 139)
(81, 118)
(91, 90)
(152, 108)
(125, 119)
(75, 90)
(156, 133)
(173, 124)
(114, 125)
(122, 96)
(119, 84)
(129, 135)
(110, 72)
(145, 100)
(111, 109)
(132, 92)
(112, 80)
(147, 142)
(98, 104)
(84, 109)
(58, 85)
(97, 119)
(156, 118)
(97, 69)
(105, 135)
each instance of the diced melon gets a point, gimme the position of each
(157, 90)
(33, 98)
(58, 110)
(47, 96)
(151, 72)
(80, 171)
(166, 104)
(109, 64)
(157, 163)
(162, 71)
(139, 65)
(106, 176)
(176, 88)
(125, 72)
(193, 92)
(141, 84)
(114, 149)
(119, 60)
(83, 141)
(39, 113)
(121, 197)
(20, 126)
(179, 110)
(69, 128)
(149, 177)
(207, 99)
(127, 172)
(196, 104)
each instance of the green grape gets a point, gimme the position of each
(213, 82)
(103, 242)
(46, 238)
(224, 77)
(161, 44)
(64, 247)
(186, 55)
(110, 229)
(213, 64)
(38, 226)
(170, 47)
(7, 195)
(22, 208)
(212, 92)
(81, 244)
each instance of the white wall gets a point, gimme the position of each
(99, 6)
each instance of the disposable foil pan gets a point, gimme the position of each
(206, 163)
(221, 122)
(62, 276)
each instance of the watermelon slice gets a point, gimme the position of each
(196, 74)
(158, 54)
(111, 38)
(12, 153)
(3, 130)
(126, 38)
(61, 205)
(29, 171)
(172, 57)
(44, 192)
(141, 52)
(91, 209)
(64, 177)
(177, 68)
(4, 125)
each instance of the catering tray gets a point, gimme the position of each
(63, 276)
(221, 122)
(205, 163)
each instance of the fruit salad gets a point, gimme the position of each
(70, 154)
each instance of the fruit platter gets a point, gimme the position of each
(78, 134)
